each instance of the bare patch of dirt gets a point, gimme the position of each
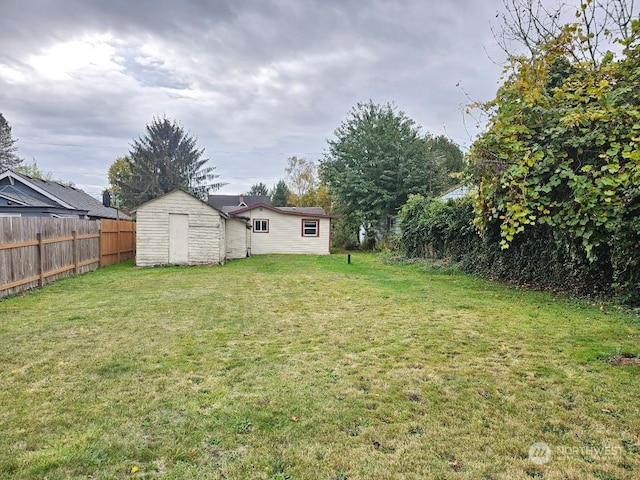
(625, 359)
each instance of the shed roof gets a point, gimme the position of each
(186, 193)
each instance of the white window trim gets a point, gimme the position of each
(256, 220)
(317, 227)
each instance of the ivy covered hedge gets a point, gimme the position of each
(542, 257)
(436, 229)
(557, 171)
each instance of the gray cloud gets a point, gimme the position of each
(256, 81)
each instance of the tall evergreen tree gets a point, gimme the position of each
(258, 189)
(280, 194)
(164, 159)
(8, 148)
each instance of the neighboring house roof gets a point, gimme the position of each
(460, 191)
(304, 210)
(227, 209)
(186, 193)
(228, 203)
(11, 193)
(237, 204)
(298, 211)
(47, 193)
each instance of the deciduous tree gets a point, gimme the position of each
(377, 159)
(119, 174)
(532, 24)
(449, 161)
(302, 181)
(33, 170)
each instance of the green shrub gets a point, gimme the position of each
(541, 257)
(435, 229)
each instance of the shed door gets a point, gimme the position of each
(178, 238)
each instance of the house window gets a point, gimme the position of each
(310, 228)
(260, 226)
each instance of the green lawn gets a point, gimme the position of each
(291, 367)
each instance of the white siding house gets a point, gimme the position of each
(287, 229)
(461, 191)
(238, 235)
(177, 228)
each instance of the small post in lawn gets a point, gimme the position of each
(349, 258)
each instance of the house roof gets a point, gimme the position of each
(236, 204)
(186, 193)
(228, 203)
(60, 195)
(460, 191)
(298, 211)
(228, 209)
(304, 210)
(11, 193)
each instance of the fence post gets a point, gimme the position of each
(40, 260)
(118, 238)
(100, 246)
(76, 269)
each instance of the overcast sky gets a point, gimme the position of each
(255, 81)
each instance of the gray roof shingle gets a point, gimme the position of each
(305, 210)
(233, 202)
(10, 192)
(77, 198)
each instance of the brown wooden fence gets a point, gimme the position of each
(39, 250)
(117, 241)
